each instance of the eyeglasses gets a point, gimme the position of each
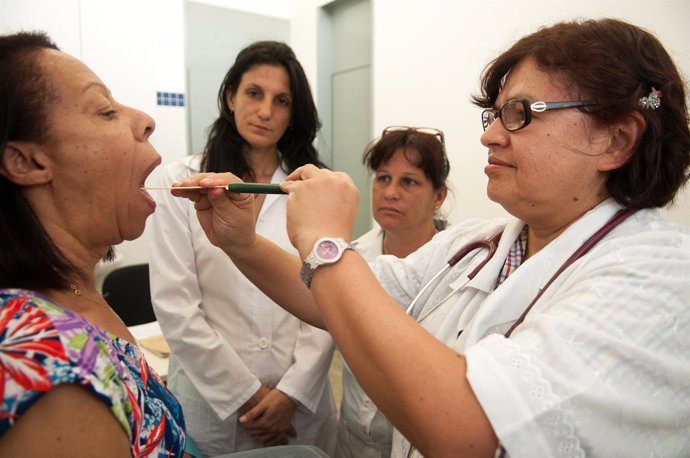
(423, 130)
(516, 114)
(438, 133)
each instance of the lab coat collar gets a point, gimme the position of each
(509, 300)
(193, 161)
(485, 280)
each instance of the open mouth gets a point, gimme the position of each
(147, 196)
(142, 185)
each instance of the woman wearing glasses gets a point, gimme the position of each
(410, 168)
(572, 339)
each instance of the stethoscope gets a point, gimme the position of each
(491, 245)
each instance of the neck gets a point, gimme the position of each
(538, 238)
(401, 244)
(264, 163)
(543, 230)
(70, 236)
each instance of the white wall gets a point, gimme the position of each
(427, 60)
(135, 47)
(428, 57)
(276, 8)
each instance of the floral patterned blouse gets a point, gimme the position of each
(43, 345)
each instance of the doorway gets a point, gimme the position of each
(213, 37)
(345, 48)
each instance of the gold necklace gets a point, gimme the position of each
(79, 293)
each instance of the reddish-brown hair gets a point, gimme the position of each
(614, 64)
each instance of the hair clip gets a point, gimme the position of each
(652, 101)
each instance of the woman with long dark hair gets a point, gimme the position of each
(233, 349)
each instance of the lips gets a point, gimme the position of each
(149, 199)
(389, 210)
(495, 161)
(261, 128)
(496, 165)
(147, 196)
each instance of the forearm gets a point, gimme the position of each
(276, 272)
(417, 381)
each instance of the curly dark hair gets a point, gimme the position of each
(614, 64)
(224, 148)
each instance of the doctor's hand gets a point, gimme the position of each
(321, 203)
(270, 420)
(228, 218)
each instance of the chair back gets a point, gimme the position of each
(128, 293)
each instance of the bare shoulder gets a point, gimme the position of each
(69, 421)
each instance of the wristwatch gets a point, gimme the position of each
(326, 250)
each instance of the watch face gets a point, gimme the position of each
(327, 250)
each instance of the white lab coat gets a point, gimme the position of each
(363, 430)
(601, 365)
(226, 336)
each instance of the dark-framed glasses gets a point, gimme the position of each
(516, 114)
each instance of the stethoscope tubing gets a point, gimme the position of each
(490, 244)
(426, 286)
(618, 218)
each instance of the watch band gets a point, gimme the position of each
(326, 251)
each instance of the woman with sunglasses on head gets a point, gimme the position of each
(571, 339)
(233, 350)
(410, 168)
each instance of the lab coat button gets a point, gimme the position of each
(368, 404)
(263, 343)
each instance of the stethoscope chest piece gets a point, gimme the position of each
(490, 244)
